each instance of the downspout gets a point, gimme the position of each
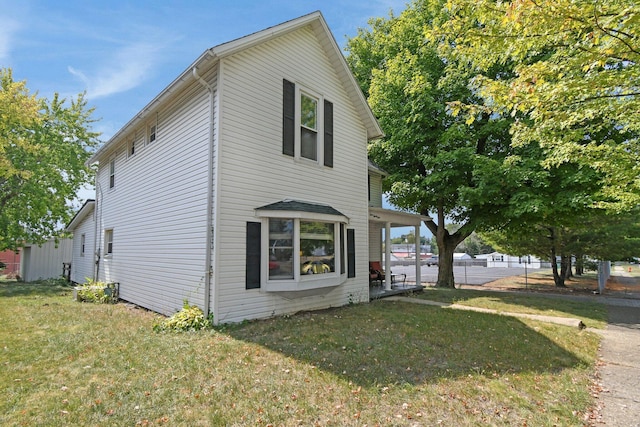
(96, 218)
(209, 232)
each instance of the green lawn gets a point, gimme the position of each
(384, 363)
(592, 314)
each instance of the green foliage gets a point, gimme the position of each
(43, 147)
(190, 318)
(474, 245)
(97, 292)
(434, 157)
(577, 64)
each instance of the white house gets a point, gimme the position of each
(83, 227)
(497, 259)
(242, 186)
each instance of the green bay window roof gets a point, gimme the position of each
(300, 209)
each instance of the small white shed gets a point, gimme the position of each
(45, 261)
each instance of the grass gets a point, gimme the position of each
(384, 363)
(592, 314)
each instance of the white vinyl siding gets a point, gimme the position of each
(375, 190)
(159, 212)
(82, 267)
(375, 241)
(45, 261)
(253, 171)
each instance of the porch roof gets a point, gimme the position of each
(396, 218)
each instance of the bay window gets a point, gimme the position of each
(299, 247)
(302, 247)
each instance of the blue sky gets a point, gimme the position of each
(123, 53)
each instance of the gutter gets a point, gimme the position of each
(173, 87)
(209, 232)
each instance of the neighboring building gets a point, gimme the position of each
(83, 227)
(461, 256)
(45, 261)
(242, 187)
(11, 261)
(497, 259)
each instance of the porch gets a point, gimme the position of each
(380, 223)
(379, 291)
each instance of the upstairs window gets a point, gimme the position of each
(112, 173)
(132, 148)
(307, 125)
(152, 133)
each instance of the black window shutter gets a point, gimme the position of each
(288, 117)
(343, 257)
(253, 255)
(351, 253)
(328, 134)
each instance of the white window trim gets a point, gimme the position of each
(83, 242)
(112, 174)
(301, 282)
(149, 133)
(300, 90)
(108, 232)
(132, 144)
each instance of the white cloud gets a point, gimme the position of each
(125, 70)
(8, 28)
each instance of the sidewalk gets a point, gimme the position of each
(619, 371)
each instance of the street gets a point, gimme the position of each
(465, 275)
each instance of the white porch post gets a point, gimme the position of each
(418, 264)
(387, 256)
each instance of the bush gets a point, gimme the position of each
(190, 318)
(98, 292)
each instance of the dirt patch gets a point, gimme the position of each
(574, 286)
(623, 284)
(545, 284)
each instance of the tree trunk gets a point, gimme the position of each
(579, 265)
(558, 277)
(445, 264)
(566, 267)
(447, 243)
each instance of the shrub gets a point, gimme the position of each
(190, 318)
(98, 292)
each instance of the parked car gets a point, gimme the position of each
(432, 261)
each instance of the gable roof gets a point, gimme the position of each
(214, 54)
(85, 210)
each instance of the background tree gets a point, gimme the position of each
(475, 245)
(43, 147)
(576, 77)
(551, 213)
(432, 156)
